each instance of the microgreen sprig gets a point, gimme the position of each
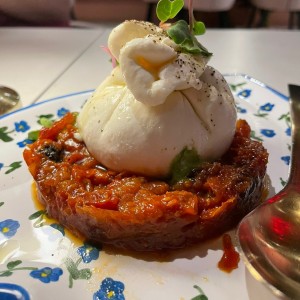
(168, 9)
(197, 27)
(182, 33)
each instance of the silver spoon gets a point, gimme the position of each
(9, 98)
(269, 237)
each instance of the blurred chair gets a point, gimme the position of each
(222, 7)
(265, 7)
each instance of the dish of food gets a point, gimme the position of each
(38, 254)
(147, 164)
(141, 213)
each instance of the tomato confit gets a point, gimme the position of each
(141, 213)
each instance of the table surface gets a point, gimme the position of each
(32, 59)
(44, 63)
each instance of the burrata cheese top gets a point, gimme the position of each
(156, 102)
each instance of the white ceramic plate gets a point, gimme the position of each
(38, 256)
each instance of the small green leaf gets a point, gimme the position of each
(183, 164)
(48, 116)
(201, 295)
(199, 28)
(72, 268)
(1, 203)
(13, 166)
(6, 273)
(12, 264)
(179, 32)
(33, 135)
(85, 274)
(45, 122)
(168, 9)
(59, 228)
(261, 115)
(234, 87)
(36, 214)
(253, 136)
(4, 135)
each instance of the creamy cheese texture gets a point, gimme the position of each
(155, 103)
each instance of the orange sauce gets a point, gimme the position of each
(48, 220)
(34, 192)
(230, 258)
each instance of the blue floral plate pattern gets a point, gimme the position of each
(37, 255)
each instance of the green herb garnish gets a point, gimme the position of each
(33, 135)
(168, 9)
(181, 32)
(199, 28)
(183, 164)
(45, 121)
(181, 35)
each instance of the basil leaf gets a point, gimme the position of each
(45, 122)
(33, 135)
(168, 9)
(183, 164)
(181, 35)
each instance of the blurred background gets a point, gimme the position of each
(63, 57)
(215, 13)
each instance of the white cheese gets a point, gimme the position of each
(157, 102)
